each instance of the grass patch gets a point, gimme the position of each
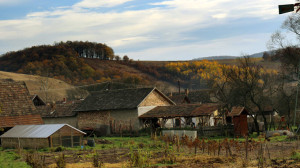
(10, 159)
(279, 138)
(296, 155)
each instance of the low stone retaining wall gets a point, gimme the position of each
(180, 133)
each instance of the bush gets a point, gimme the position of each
(60, 161)
(97, 160)
(139, 158)
(296, 155)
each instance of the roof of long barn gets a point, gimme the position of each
(65, 109)
(116, 99)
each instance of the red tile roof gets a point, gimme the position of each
(11, 121)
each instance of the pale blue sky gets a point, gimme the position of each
(144, 29)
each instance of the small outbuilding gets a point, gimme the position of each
(42, 136)
(239, 119)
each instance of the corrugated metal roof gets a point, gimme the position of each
(34, 131)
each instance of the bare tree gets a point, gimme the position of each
(289, 56)
(248, 85)
(292, 23)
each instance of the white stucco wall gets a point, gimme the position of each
(144, 109)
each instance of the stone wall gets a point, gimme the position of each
(94, 120)
(180, 133)
(107, 122)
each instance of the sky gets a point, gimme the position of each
(144, 29)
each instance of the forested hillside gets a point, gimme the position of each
(81, 63)
(67, 61)
(87, 63)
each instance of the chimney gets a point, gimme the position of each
(186, 92)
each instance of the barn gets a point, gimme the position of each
(42, 136)
(114, 111)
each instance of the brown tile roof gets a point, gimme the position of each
(236, 111)
(193, 97)
(205, 109)
(183, 110)
(16, 104)
(116, 99)
(59, 110)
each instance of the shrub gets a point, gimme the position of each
(97, 161)
(60, 161)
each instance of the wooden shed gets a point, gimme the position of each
(239, 119)
(42, 136)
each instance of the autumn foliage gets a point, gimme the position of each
(67, 61)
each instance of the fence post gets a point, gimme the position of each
(229, 150)
(246, 147)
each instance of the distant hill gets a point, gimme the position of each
(85, 63)
(216, 58)
(256, 55)
(82, 63)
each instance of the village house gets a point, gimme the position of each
(16, 105)
(60, 112)
(42, 136)
(112, 111)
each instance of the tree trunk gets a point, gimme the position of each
(265, 121)
(256, 125)
(289, 118)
